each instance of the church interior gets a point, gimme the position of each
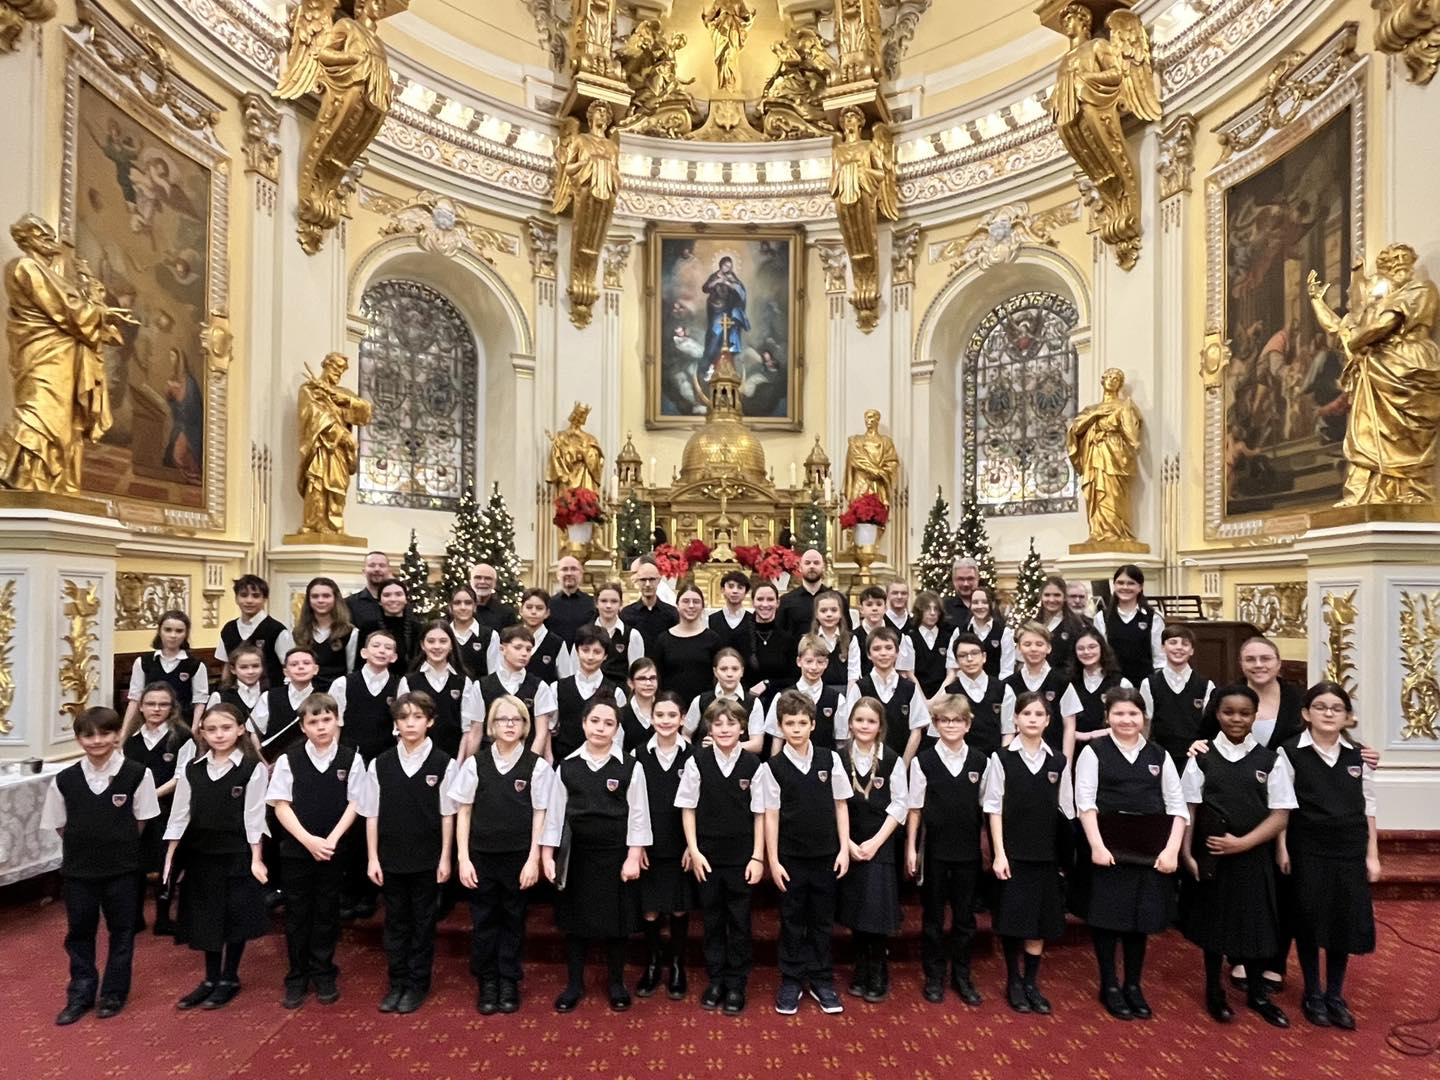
(1074, 289)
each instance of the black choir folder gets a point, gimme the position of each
(1135, 839)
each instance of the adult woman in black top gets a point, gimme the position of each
(1277, 718)
(770, 667)
(395, 617)
(685, 654)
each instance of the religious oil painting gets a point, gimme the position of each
(1285, 407)
(141, 219)
(713, 289)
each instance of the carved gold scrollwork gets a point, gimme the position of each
(790, 103)
(145, 62)
(1337, 610)
(439, 225)
(7, 661)
(1412, 29)
(1419, 646)
(14, 14)
(1001, 234)
(1279, 610)
(78, 675)
(140, 599)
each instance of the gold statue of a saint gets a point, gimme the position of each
(864, 186)
(729, 24)
(576, 460)
(659, 103)
(1104, 446)
(1392, 376)
(790, 104)
(56, 327)
(587, 176)
(872, 464)
(329, 450)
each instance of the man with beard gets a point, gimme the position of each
(490, 611)
(797, 607)
(570, 608)
(364, 603)
(964, 579)
(649, 614)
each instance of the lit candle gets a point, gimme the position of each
(792, 474)
(652, 472)
(827, 489)
(614, 488)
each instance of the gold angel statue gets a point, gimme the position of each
(659, 104)
(1103, 444)
(1392, 376)
(57, 326)
(864, 185)
(872, 464)
(343, 60)
(576, 460)
(587, 178)
(790, 105)
(1100, 79)
(729, 24)
(329, 450)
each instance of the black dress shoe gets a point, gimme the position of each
(391, 999)
(1218, 1008)
(711, 999)
(110, 1006)
(1340, 1014)
(619, 997)
(649, 978)
(934, 991)
(1115, 1003)
(224, 993)
(1038, 1001)
(734, 1002)
(678, 984)
(1015, 996)
(1271, 1013)
(1239, 982)
(327, 993)
(569, 998)
(966, 989)
(410, 1000)
(1312, 1006)
(488, 1003)
(294, 997)
(365, 909)
(1139, 1007)
(509, 999)
(878, 989)
(73, 1011)
(201, 994)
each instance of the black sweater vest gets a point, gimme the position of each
(230, 695)
(217, 808)
(543, 658)
(1330, 819)
(807, 806)
(446, 733)
(330, 656)
(502, 817)
(181, 679)
(1126, 787)
(705, 700)
(317, 798)
(616, 667)
(1030, 806)
(263, 637)
(1178, 717)
(952, 807)
(1092, 704)
(492, 689)
(101, 838)
(282, 729)
(837, 668)
(897, 710)
(369, 725)
(410, 820)
(660, 786)
(472, 653)
(159, 759)
(1052, 689)
(930, 661)
(984, 715)
(824, 734)
(1236, 792)
(867, 812)
(1130, 642)
(596, 807)
(738, 637)
(991, 643)
(724, 824)
(569, 707)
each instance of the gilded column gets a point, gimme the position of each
(262, 174)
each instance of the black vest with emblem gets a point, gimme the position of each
(596, 807)
(369, 725)
(897, 710)
(100, 838)
(230, 695)
(807, 806)
(263, 637)
(724, 823)
(544, 657)
(734, 637)
(160, 758)
(331, 655)
(1092, 703)
(491, 689)
(930, 660)
(992, 643)
(1237, 791)
(825, 706)
(317, 798)
(867, 808)
(282, 729)
(984, 732)
(502, 814)
(704, 701)
(1130, 641)
(1029, 809)
(217, 808)
(1125, 787)
(410, 818)
(636, 733)
(616, 667)
(181, 678)
(837, 668)
(1052, 691)
(472, 652)
(570, 705)
(951, 814)
(1178, 717)
(446, 733)
(1330, 819)
(660, 786)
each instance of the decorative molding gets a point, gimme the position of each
(1281, 610)
(1002, 233)
(7, 659)
(140, 599)
(552, 27)
(900, 32)
(1419, 647)
(14, 15)
(833, 262)
(904, 245)
(262, 137)
(615, 257)
(439, 224)
(1176, 160)
(79, 669)
(542, 239)
(1214, 359)
(1410, 28)
(1337, 611)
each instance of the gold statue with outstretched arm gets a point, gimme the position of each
(1103, 444)
(576, 460)
(329, 449)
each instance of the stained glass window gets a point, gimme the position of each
(1019, 397)
(419, 366)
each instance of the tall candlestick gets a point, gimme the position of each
(652, 472)
(792, 475)
(827, 489)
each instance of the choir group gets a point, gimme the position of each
(649, 760)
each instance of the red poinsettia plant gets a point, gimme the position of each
(768, 563)
(671, 561)
(576, 506)
(866, 510)
(697, 552)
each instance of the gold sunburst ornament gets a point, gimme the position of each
(1419, 645)
(78, 670)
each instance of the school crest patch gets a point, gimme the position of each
(905, 710)
(1143, 625)
(823, 774)
(547, 659)
(1354, 770)
(431, 780)
(119, 800)
(612, 785)
(1154, 770)
(237, 791)
(879, 782)
(828, 711)
(455, 694)
(259, 643)
(744, 784)
(390, 700)
(1198, 702)
(974, 777)
(1261, 776)
(340, 774)
(184, 676)
(167, 757)
(1049, 695)
(1053, 777)
(521, 785)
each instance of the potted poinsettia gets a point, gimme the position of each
(774, 563)
(577, 511)
(671, 562)
(697, 552)
(865, 517)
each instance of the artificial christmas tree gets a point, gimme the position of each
(1028, 585)
(972, 541)
(812, 527)
(497, 547)
(633, 529)
(415, 576)
(467, 542)
(938, 548)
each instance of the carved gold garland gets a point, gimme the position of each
(140, 599)
(7, 646)
(78, 670)
(1419, 646)
(1279, 610)
(1337, 610)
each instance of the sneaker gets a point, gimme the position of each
(787, 998)
(828, 1000)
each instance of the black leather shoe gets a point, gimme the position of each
(73, 1011)
(934, 991)
(711, 999)
(110, 1006)
(619, 997)
(509, 1000)
(1271, 1013)
(1139, 1007)
(734, 1002)
(200, 995)
(488, 1003)
(1038, 1001)
(650, 978)
(1015, 996)
(224, 993)
(569, 998)
(294, 997)
(678, 984)
(391, 999)
(1340, 1014)
(327, 993)
(1115, 1003)
(1312, 1006)
(1218, 1008)
(966, 989)
(409, 1001)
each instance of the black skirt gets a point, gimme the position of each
(1032, 903)
(666, 888)
(1332, 903)
(1130, 899)
(1235, 912)
(220, 901)
(152, 841)
(870, 896)
(595, 903)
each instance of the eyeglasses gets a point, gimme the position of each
(1329, 710)
(968, 654)
(652, 677)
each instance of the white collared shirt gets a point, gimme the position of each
(587, 686)
(637, 799)
(852, 653)
(687, 794)
(260, 714)
(770, 787)
(954, 764)
(1330, 756)
(1094, 679)
(143, 804)
(1069, 699)
(282, 778)
(1176, 680)
(841, 719)
(250, 695)
(511, 681)
(919, 715)
(892, 768)
(692, 715)
(374, 682)
(564, 659)
(1087, 778)
(199, 682)
(992, 795)
(369, 802)
(634, 643)
(664, 756)
(466, 781)
(215, 769)
(1279, 784)
(282, 644)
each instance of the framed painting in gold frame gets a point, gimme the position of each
(708, 286)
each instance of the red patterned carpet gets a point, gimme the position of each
(903, 1038)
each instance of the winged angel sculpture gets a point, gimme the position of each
(587, 178)
(343, 60)
(864, 186)
(1100, 79)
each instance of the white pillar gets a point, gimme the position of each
(544, 254)
(833, 263)
(904, 245)
(1412, 162)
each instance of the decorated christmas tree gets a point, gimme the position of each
(632, 528)
(812, 527)
(1028, 585)
(938, 548)
(415, 576)
(467, 542)
(972, 541)
(497, 547)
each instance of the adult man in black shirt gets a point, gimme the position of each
(570, 608)
(364, 604)
(490, 611)
(649, 614)
(797, 607)
(964, 578)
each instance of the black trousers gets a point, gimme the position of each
(949, 884)
(807, 918)
(497, 911)
(85, 900)
(725, 908)
(411, 903)
(312, 920)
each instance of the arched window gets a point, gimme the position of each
(1019, 396)
(418, 365)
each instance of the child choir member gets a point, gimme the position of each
(666, 890)
(1131, 626)
(162, 743)
(324, 628)
(171, 662)
(256, 627)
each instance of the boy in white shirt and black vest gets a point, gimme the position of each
(906, 714)
(573, 694)
(276, 719)
(257, 627)
(364, 698)
(511, 676)
(829, 702)
(1175, 695)
(990, 698)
